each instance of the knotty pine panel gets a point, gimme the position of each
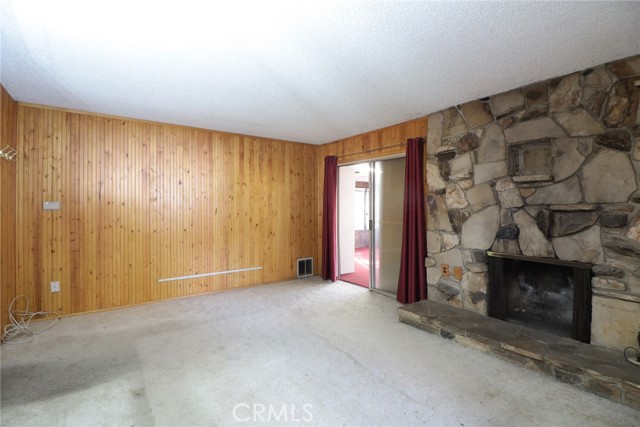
(384, 142)
(8, 123)
(143, 201)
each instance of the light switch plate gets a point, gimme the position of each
(51, 206)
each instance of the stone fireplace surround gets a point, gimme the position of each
(550, 170)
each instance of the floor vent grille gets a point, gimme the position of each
(305, 267)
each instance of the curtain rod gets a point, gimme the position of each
(372, 150)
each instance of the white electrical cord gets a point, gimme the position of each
(634, 360)
(20, 320)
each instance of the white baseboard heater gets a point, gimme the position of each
(217, 273)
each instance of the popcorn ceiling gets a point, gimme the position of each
(308, 72)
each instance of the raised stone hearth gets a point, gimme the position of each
(550, 170)
(596, 369)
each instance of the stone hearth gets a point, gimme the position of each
(548, 170)
(596, 369)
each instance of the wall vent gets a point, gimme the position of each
(305, 267)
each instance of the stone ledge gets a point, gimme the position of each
(574, 208)
(617, 295)
(445, 149)
(532, 178)
(596, 369)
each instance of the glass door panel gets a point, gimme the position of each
(388, 201)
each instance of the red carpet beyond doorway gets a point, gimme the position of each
(360, 276)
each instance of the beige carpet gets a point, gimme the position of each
(304, 352)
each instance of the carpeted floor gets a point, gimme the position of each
(304, 352)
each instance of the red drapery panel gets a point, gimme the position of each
(412, 284)
(329, 218)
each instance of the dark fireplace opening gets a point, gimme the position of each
(540, 296)
(545, 294)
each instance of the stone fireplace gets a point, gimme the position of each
(547, 171)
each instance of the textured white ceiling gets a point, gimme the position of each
(303, 71)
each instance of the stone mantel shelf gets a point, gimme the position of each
(553, 261)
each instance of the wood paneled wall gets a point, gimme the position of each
(145, 201)
(375, 144)
(8, 123)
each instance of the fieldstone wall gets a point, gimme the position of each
(547, 170)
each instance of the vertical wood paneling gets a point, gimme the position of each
(385, 141)
(143, 201)
(8, 232)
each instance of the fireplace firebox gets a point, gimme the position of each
(542, 293)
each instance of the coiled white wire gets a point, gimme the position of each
(19, 330)
(634, 360)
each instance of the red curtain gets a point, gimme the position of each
(412, 284)
(329, 218)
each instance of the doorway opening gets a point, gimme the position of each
(354, 214)
(370, 204)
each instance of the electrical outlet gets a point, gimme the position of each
(444, 269)
(55, 287)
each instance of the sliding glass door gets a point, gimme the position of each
(370, 201)
(388, 200)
